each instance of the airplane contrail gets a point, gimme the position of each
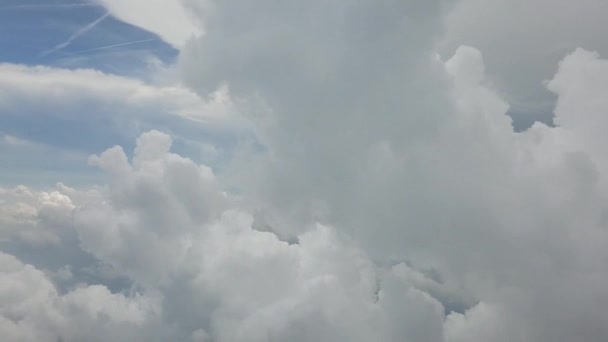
(75, 35)
(46, 6)
(116, 45)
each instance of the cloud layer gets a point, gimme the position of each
(69, 114)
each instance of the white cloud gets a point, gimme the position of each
(62, 89)
(62, 116)
(209, 273)
(581, 107)
(393, 199)
(32, 216)
(417, 160)
(33, 310)
(11, 140)
(522, 41)
(481, 323)
(168, 19)
(217, 277)
(167, 196)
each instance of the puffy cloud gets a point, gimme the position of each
(580, 84)
(207, 273)
(164, 195)
(522, 42)
(204, 270)
(390, 198)
(33, 310)
(221, 275)
(315, 73)
(415, 158)
(34, 217)
(481, 323)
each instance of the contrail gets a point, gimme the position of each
(116, 45)
(46, 6)
(76, 34)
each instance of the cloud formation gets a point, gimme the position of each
(168, 19)
(72, 113)
(203, 270)
(522, 41)
(387, 197)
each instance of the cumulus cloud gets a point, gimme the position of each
(522, 42)
(32, 216)
(414, 157)
(203, 270)
(33, 310)
(387, 198)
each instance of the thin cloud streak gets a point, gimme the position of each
(76, 34)
(116, 45)
(39, 7)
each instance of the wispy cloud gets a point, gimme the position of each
(16, 141)
(75, 35)
(106, 47)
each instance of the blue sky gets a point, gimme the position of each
(45, 142)
(31, 30)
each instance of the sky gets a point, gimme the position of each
(373, 170)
